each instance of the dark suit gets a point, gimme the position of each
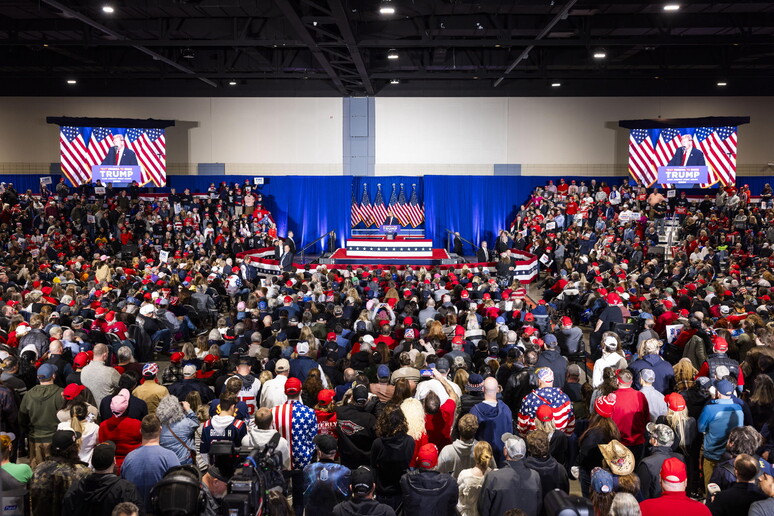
(128, 158)
(695, 159)
(483, 255)
(457, 245)
(286, 262)
(289, 242)
(392, 221)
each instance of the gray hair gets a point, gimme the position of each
(169, 410)
(125, 354)
(625, 504)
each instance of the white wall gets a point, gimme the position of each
(249, 135)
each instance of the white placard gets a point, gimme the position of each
(99, 190)
(671, 193)
(672, 331)
(551, 225)
(257, 180)
(46, 180)
(163, 256)
(35, 252)
(91, 219)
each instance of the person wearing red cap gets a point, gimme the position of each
(601, 430)
(719, 358)
(428, 491)
(631, 413)
(673, 499)
(569, 337)
(608, 318)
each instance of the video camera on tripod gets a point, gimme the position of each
(255, 472)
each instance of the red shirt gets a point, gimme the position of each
(125, 433)
(673, 503)
(572, 208)
(439, 425)
(631, 414)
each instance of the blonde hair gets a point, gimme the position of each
(415, 417)
(546, 426)
(482, 453)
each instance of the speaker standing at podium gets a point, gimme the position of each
(391, 219)
(119, 154)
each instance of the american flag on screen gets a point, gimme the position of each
(354, 212)
(150, 147)
(641, 153)
(415, 210)
(75, 159)
(379, 210)
(719, 147)
(668, 143)
(366, 210)
(99, 144)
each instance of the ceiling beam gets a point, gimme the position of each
(342, 22)
(562, 14)
(292, 17)
(68, 12)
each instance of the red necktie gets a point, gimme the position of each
(117, 156)
(686, 155)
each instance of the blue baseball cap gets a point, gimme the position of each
(383, 371)
(46, 372)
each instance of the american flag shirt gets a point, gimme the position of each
(564, 418)
(297, 423)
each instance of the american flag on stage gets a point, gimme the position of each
(719, 147)
(393, 204)
(402, 208)
(354, 212)
(150, 147)
(416, 212)
(564, 417)
(75, 158)
(641, 154)
(99, 144)
(366, 210)
(379, 210)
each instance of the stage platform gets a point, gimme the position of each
(435, 257)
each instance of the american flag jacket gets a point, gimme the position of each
(297, 423)
(564, 418)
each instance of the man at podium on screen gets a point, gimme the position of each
(391, 219)
(687, 155)
(119, 154)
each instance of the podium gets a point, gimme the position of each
(683, 177)
(389, 231)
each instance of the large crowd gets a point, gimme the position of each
(139, 350)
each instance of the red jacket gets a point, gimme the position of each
(439, 425)
(631, 414)
(124, 432)
(673, 503)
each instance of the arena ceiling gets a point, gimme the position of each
(342, 48)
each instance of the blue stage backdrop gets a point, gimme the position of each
(310, 206)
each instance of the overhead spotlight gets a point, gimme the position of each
(188, 53)
(392, 54)
(395, 81)
(556, 84)
(386, 8)
(722, 83)
(479, 26)
(108, 9)
(232, 83)
(72, 81)
(600, 54)
(672, 7)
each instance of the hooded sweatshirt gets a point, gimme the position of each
(222, 428)
(37, 413)
(427, 492)
(361, 506)
(493, 421)
(390, 459)
(98, 494)
(456, 457)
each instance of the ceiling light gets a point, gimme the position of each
(672, 7)
(72, 81)
(232, 83)
(556, 84)
(188, 53)
(395, 81)
(386, 8)
(108, 9)
(722, 83)
(392, 54)
(599, 55)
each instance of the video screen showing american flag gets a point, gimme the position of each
(83, 147)
(713, 147)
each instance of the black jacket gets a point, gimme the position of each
(97, 495)
(514, 486)
(137, 408)
(553, 360)
(428, 492)
(355, 427)
(649, 470)
(359, 506)
(737, 499)
(552, 474)
(390, 458)
(185, 386)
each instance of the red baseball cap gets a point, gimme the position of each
(292, 386)
(176, 358)
(457, 340)
(719, 344)
(544, 413)
(675, 401)
(566, 321)
(604, 405)
(72, 391)
(325, 396)
(428, 456)
(673, 470)
(210, 359)
(464, 294)
(81, 359)
(528, 317)
(331, 336)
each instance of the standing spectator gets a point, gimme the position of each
(608, 318)
(601, 430)
(179, 425)
(656, 404)
(147, 464)
(124, 431)
(82, 424)
(552, 474)
(427, 490)
(355, 427)
(673, 499)
(189, 383)
(54, 476)
(664, 375)
(512, 486)
(391, 454)
(717, 420)
(273, 391)
(551, 357)
(738, 498)
(326, 483)
(661, 440)
(546, 394)
(21, 472)
(137, 408)
(470, 481)
(97, 494)
(262, 432)
(223, 427)
(149, 390)
(297, 423)
(362, 502)
(494, 418)
(459, 455)
(569, 337)
(100, 379)
(439, 418)
(612, 356)
(630, 413)
(37, 413)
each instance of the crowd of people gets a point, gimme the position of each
(139, 350)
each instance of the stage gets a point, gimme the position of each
(434, 257)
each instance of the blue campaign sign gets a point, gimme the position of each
(683, 175)
(116, 174)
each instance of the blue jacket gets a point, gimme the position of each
(493, 422)
(300, 367)
(717, 420)
(184, 430)
(665, 375)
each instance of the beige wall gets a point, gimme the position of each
(547, 136)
